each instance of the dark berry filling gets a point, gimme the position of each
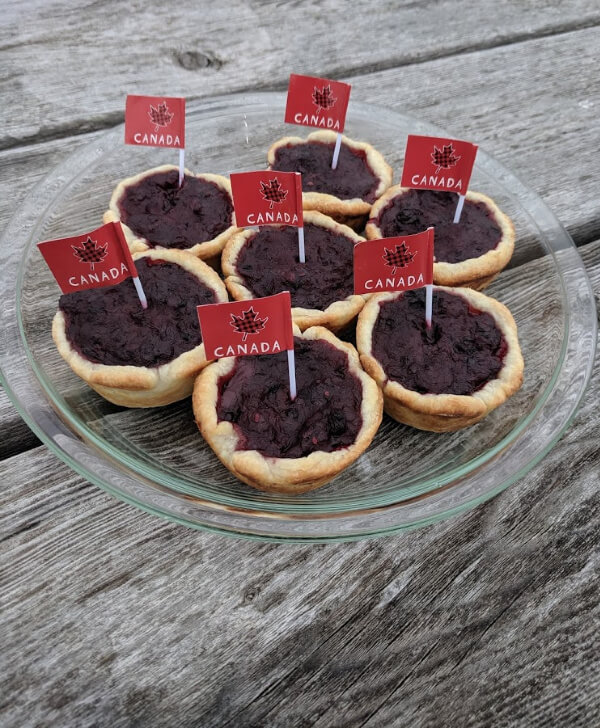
(352, 178)
(415, 210)
(325, 416)
(463, 350)
(268, 263)
(164, 214)
(109, 325)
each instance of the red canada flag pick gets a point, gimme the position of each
(317, 102)
(267, 198)
(241, 328)
(436, 163)
(155, 121)
(394, 264)
(92, 260)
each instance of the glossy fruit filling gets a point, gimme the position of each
(325, 416)
(269, 263)
(109, 325)
(353, 178)
(164, 214)
(463, 350)
(415, 210)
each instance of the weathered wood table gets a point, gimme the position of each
(111, 617)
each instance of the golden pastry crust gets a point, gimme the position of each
(474, 273)
(209, 250)
(136, 386)
(337, 315)
(444, 412)
(352, 212)
(284, 475)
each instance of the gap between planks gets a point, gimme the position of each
(111, 119)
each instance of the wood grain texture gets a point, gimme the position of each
(16, 436)
(532, 105)
(22, 169)
(111, 617)
(185, 50)
(115, 618)
(168, 437)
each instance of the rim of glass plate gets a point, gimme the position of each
(298, 513)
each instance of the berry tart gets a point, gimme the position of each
(469, 253)
(346, 193)
(243, 408)
(155, 212)
(139, 357)
(264, 262)
(450, 375)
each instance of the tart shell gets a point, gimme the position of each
(353, 212)
(137, 386)
(474, 273)
(444, 412)
(335, 317)
(284, 475)
(209, 250)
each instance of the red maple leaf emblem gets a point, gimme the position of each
(160, 116)
(323, 98)
(248, 323)
(444, 158)
(272, 192)
(90, 252)
(398, 258)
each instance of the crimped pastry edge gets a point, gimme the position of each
(444, 412)
(335, 317)
(353, 212)
(134, 386)
(474, 273)
(209, 250)
(283, 475)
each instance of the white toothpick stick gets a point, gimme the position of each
(292, 373)
(130, 264)
(181, 165)
(336, 151)
(459, 207)
(301, 245)
(428, 304)
(140, 291)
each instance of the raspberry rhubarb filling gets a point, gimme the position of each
(268, 263)
(353, 177)
(463, 350)
(109, 326)
(156, 209)
(325, 416)
(414, 210)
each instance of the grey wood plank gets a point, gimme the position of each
(16, 435)
(171, 429)
(490, 618)
(195, 51)
(22, 170)
(532, 106)
(493, 112)
(542, 124)
(168, 436)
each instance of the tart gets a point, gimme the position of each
(446, 377)
(155, 212)
(345, 193)
(264, 262)
(243, 408)
(135, 357)
(469, 253)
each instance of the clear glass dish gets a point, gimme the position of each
(156, 459)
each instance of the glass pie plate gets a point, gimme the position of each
(156, 458)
